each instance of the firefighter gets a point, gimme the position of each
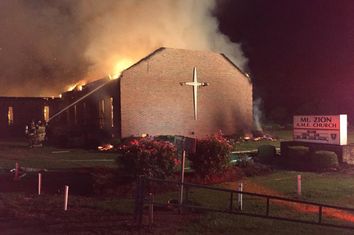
(32, 134)
(40, 135)
(26, 131)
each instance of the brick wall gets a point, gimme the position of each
(154, 102)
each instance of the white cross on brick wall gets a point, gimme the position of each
(195, 85)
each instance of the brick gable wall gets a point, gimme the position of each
(154, 102)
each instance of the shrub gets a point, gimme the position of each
(148, 157)
(266, 153)
(212, 156)
(297, 157)
(322, 160)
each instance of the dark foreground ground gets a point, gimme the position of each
(23, 211)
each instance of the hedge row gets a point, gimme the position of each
(300, 157)
(156, 158)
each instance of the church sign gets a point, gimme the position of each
(326, 129)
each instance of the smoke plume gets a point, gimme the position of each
(257, 114)
(48, 45)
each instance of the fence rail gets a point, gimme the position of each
(140, 201)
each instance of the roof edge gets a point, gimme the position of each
(143, 59)
(163, 48)
(238, 68)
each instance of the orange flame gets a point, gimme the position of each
(77, 86)
(119, 66)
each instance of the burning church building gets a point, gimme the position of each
(169, 92)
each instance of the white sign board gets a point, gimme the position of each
(326, 129)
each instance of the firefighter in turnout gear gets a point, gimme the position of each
(36, 134)
(40, 134)
(31, 134)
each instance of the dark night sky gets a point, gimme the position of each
(300, 52)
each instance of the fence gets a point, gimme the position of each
(144, 183)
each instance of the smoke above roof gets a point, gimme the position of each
(48, 45)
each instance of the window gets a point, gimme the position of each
(112, 114)
(10, 116)
(101, 114)
(46, 113)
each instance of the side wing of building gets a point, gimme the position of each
(17, 112)
(90, 114)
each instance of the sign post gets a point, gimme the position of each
(299, 185)
(182, 178)
(17, 169)
(66, 197)
(39, 183)
(240, 189)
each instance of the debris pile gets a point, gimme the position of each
(105, 147)
(258, 136)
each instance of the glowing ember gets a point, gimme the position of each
(258, 136)
(247, 138)
(105, 147)
(79, 87)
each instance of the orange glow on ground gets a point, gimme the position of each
(328, 212)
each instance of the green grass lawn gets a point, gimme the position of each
(50, 157)
(332, 188)
(329, 188)
(217, 223)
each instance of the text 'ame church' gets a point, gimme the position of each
(169, 92)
